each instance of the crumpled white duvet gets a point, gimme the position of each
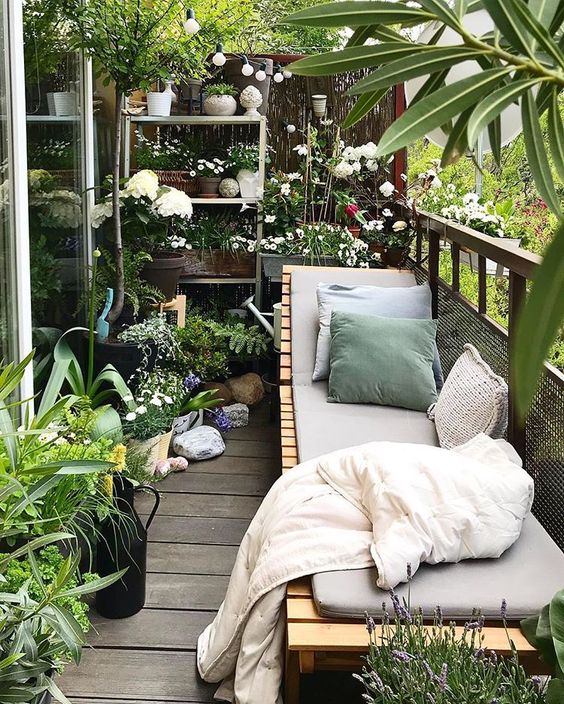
(382, 503)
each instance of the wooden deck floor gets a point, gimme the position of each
(150, 658)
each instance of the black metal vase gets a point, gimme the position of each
(122, 543)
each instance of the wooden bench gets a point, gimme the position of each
(314, 643)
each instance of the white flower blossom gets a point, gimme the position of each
(144, 183)
(386, 189)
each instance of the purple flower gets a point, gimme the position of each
(537, 681)
(370, 625)
(439, 615)
(377, 681)
(472, 626)
(503, 610)
(219, 418)
(409, 573)
(191, 382)
(442, 680)
(401, 655)
(401, 611)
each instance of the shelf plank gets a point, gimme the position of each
(223, 201)
(197, 119)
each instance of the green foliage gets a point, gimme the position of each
(46, 283)
(221, 89)
(201, 351)
(49, 561)
(245, 341)
(243, 156)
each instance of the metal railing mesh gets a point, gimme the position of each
(458, 324)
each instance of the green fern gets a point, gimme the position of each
(243, 340)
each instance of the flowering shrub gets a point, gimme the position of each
(388, 230)
(410, 663)
(218, 231)
(283, 202)
(359, 162)
(243, 156)
(168, 154)
(151, 213)
(317, 241)
(153, 335)
(52, 207)
(152, 416)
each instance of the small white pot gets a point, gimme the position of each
(220, 105)
(51, 103)
(158, 104)
(183, 424)
(471, 259)
(319, 105)
(65, 104)
(248, 183)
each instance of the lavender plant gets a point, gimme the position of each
(444, 664)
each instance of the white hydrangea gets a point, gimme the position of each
(342, 170)
(101, 212)
(143, 184)
(386, 189)
(174, 202)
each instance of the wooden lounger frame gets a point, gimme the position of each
(315, 643)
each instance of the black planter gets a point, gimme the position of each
(45, 698)
(123, 545)
(126, 357)
(164, 272)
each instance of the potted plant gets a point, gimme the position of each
(152, 214)
(316, 244)
(243, 160)
(191, 413)
(220, 100)
(219, 245)
(152, 37)
(348, 212)
(209, 176)
(173, 160)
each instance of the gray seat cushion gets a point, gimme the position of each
(527, 576)
(322, 427)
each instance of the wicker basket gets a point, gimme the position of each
(216, 262)
(178, 179)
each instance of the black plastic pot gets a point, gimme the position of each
(125, 356)
(45, 698)
(164, 272)
(394, 257)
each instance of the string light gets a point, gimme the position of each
(246, 68)
(289, 127)
(287, 74)
(191, 26)
(278, 75)
(218, 59)
(260, 75)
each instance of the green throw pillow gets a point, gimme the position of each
(387, 361)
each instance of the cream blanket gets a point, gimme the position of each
(382, 503)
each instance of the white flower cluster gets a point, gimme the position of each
(173, 202)
(353, 253)
(144, 183)
(430, 177)
(355, 160)
(146, 399)
(212, 168)
(237, 243)
(479, 216)
(60, 208)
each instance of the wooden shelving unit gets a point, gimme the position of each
(139, 122)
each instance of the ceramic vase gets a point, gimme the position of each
(319, 105)
(248, 183)
(158, 104)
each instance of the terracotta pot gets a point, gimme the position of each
(376, 248)
(394, 257)
(164, 272)
(209, 186)
(215, 262)
(354, 230)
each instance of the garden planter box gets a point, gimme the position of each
(492, 268)
(272, 264)
(216, 262)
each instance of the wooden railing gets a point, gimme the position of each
(432, 230)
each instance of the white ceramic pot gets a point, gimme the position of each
(157, 447)
(158, 104)
(220, 105)
(65, 104)
(248, 183)
(183, 424)
(471, 259)
(319, 105)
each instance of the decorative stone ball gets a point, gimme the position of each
(229, 188)
(251, 99)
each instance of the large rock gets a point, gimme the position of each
(247, 389)
(222, 391)
(202, 443)
(238, 415)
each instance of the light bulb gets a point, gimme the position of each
(290, 129)
(247, 69)
(260, 75)
(191, 26)
(287, 74)
(278, 77)
(218, 59)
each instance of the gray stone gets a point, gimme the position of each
(238, 414)
(202, 443)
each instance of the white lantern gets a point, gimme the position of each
(191, 26)
(218, 59)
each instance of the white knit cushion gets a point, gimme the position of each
(473, 400)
